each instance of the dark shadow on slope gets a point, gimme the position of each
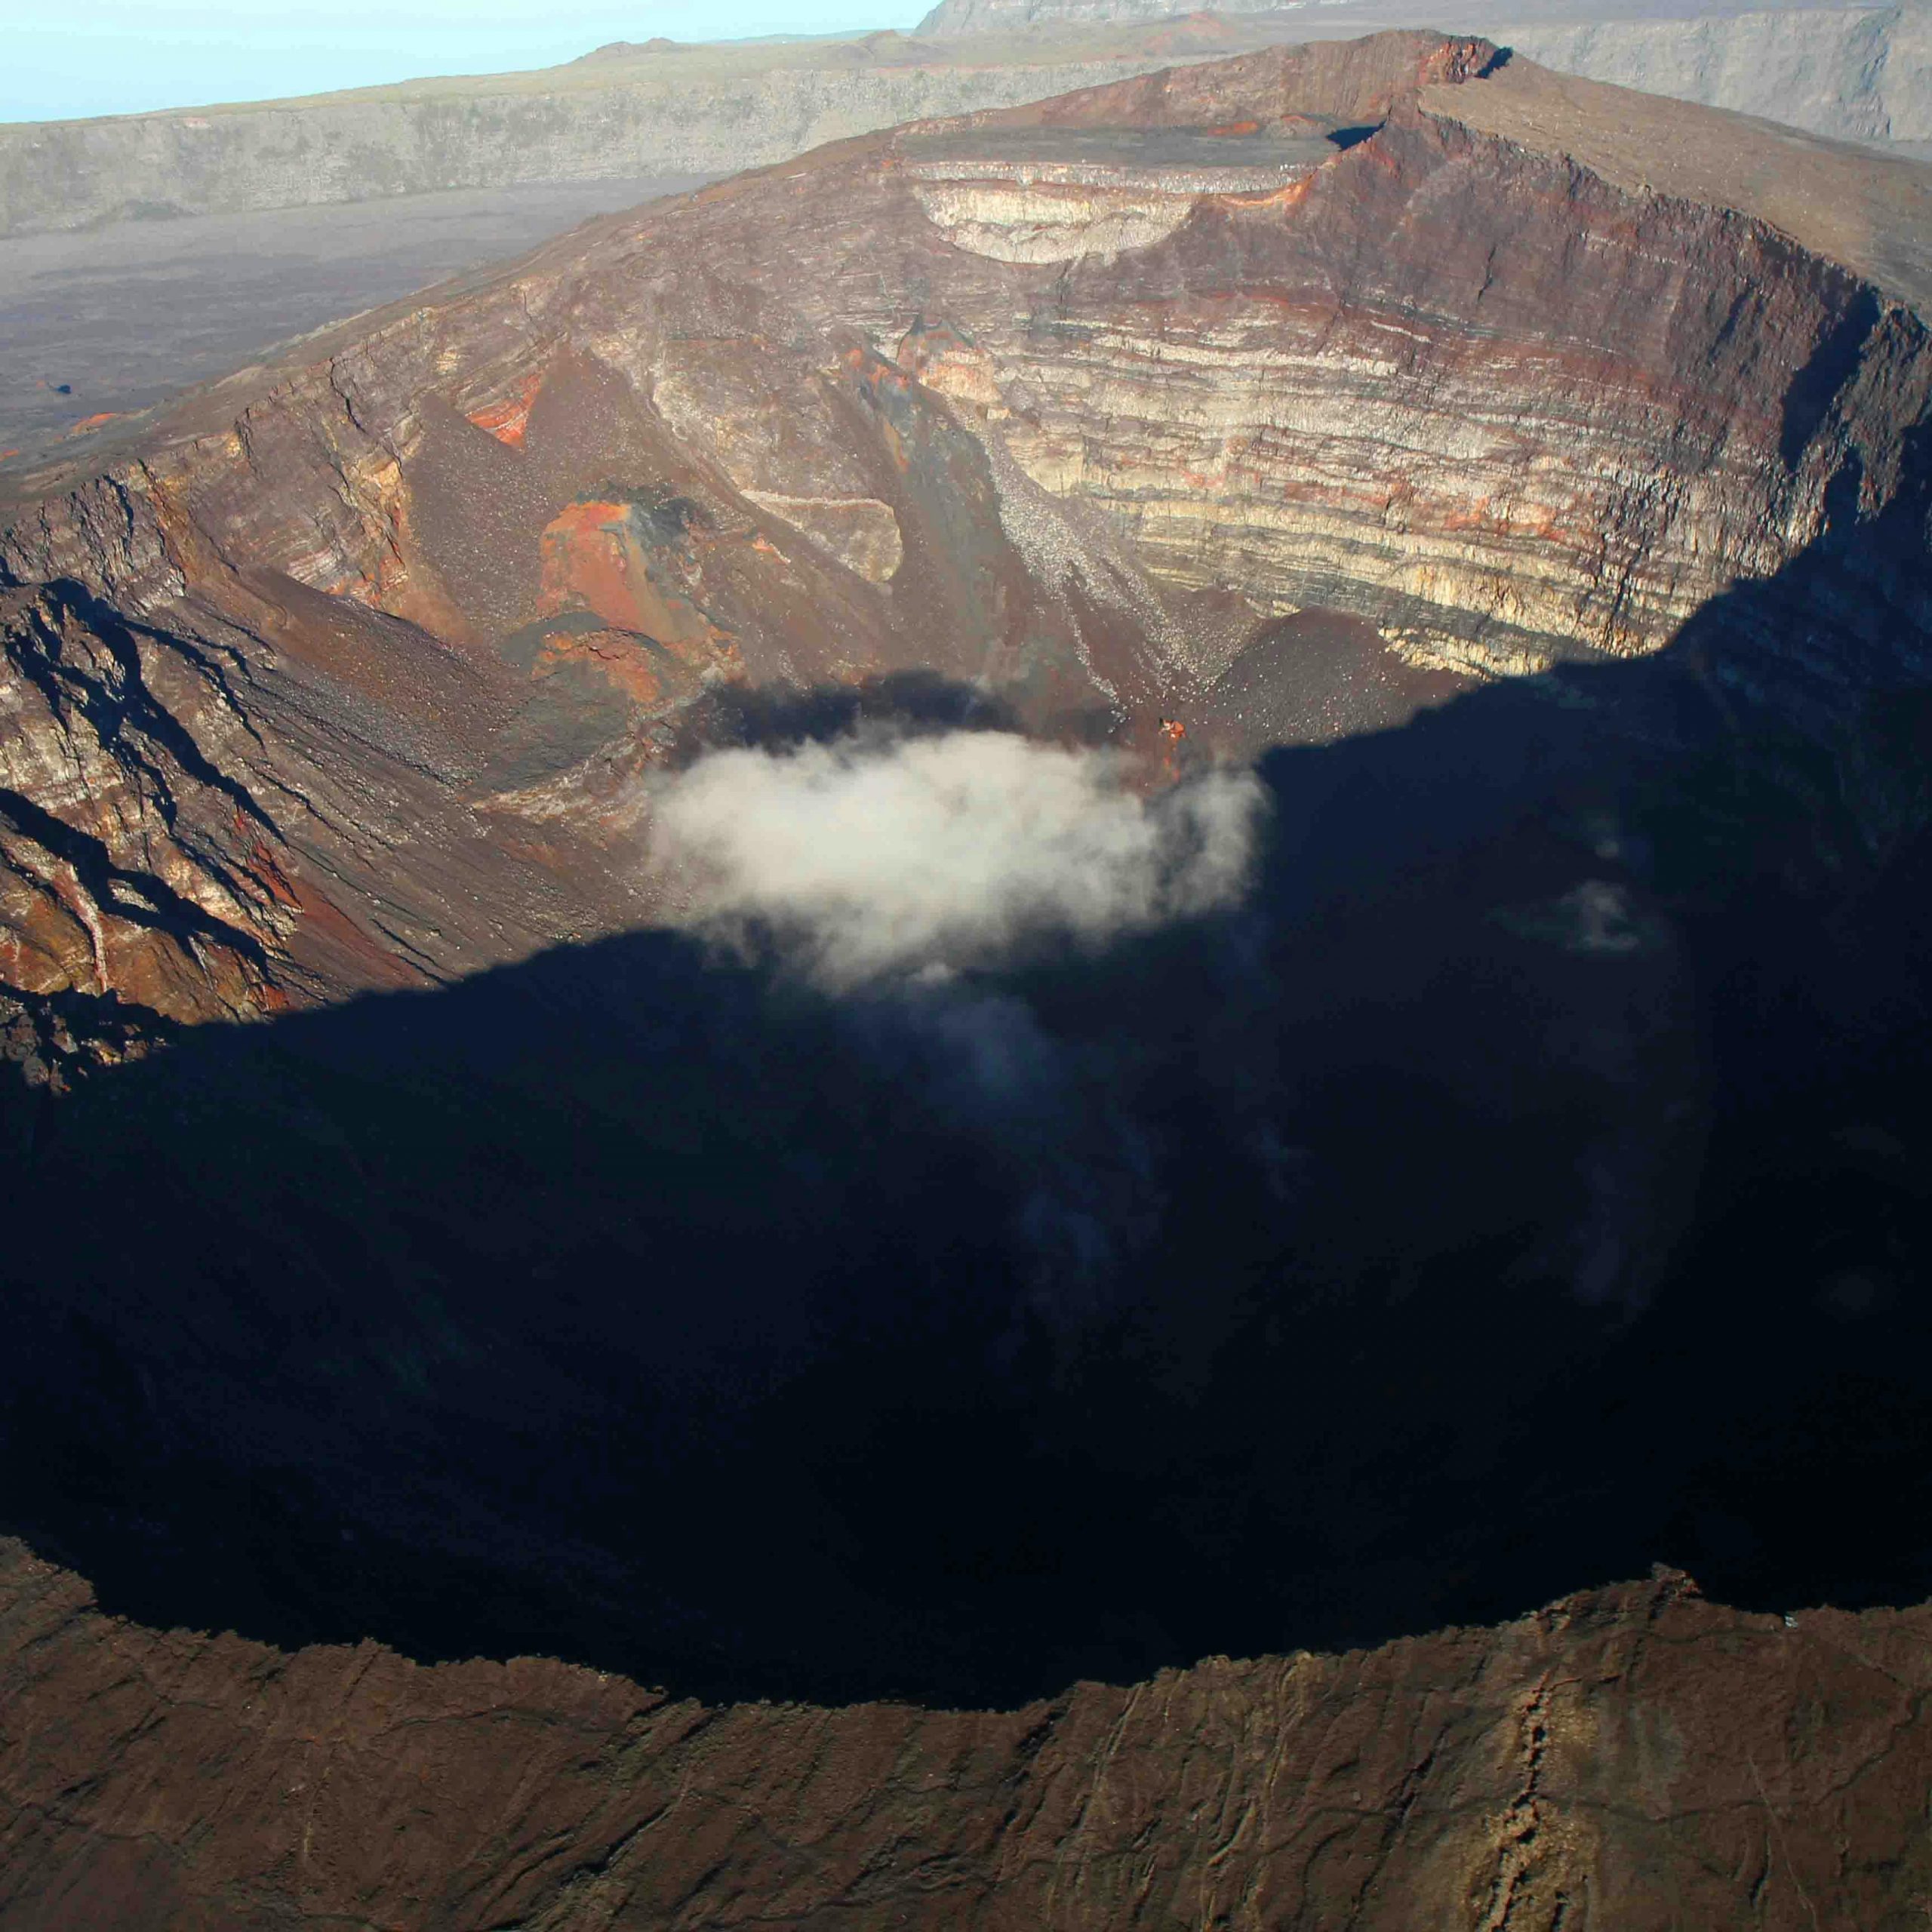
(1529, 1185)
(1826, 374)
(906, 703)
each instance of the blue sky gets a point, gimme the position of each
(60, 59)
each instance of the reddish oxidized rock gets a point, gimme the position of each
(1083, 401)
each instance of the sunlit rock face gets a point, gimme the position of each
(1488, 1776)
(1079, 404)
(1063, 195)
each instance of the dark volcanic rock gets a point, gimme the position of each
(1315, 676)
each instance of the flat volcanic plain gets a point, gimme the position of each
(123, 315)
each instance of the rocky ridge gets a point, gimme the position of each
(632, 111)
(664, 108)
(1632, 1756)
(1855, 73)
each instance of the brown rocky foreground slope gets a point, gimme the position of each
(1631, 1758)
(342, 674)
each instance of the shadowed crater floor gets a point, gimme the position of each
(1522, 1186)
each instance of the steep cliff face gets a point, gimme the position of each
(216, 806)
(1857, 72)
(1852, 73)
(634, 111)
(660, 108)
(1072, 402)
(1632, 1757)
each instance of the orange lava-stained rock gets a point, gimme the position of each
(594, 559)
(591, 555)
(508, 420)
(643, 670)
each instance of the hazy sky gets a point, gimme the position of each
(62, 58)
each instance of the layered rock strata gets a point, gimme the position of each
(1071, 403)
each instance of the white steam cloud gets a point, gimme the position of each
(876, 858)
